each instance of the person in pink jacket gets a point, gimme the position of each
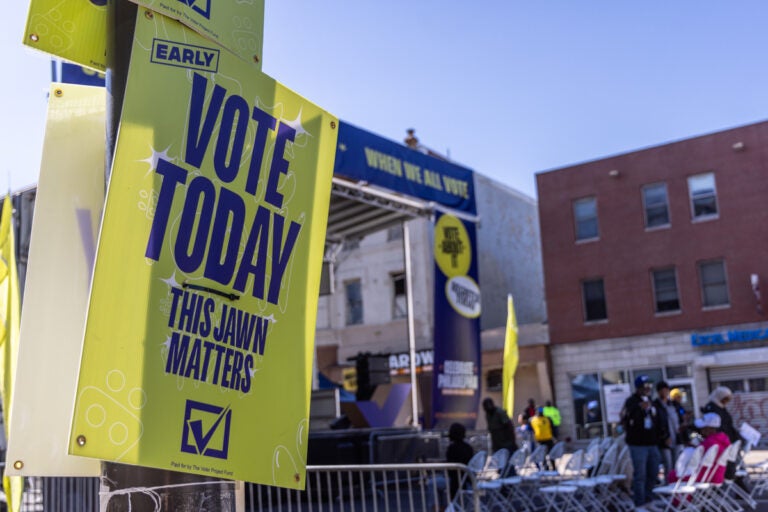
(709, 426)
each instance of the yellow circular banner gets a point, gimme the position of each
(453, 252)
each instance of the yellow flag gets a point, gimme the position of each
(511, 357)
(9, 335)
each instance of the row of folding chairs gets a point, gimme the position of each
(587, 480)
(595, 483)
(755, 475)
(698, 489)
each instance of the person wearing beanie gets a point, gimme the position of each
(642, 425)
(683, 417)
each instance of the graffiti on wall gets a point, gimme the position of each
(751, 408)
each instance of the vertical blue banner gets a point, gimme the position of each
(364, 156)
(456, 382)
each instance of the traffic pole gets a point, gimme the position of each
(124, 487)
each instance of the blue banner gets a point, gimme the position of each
(76, 74)
(456, 368)
(361, 155)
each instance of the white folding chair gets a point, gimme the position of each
(592, 456)
(537, 460)
(757, 474)
(477, 463)
(486, 470)
(561, 497)
(517, 490)
(489, 484)
(708, 495)
(557, 451)
(731, 491)
(465, 496)
(497, 462)
(593, 489)
(678, 496)
(610, 476)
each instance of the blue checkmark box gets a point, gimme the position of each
(206, 429)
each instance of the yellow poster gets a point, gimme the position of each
(73, 30)
(68, 204)
(237, 26)
(199, 335)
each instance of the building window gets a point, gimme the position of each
(656, 205)
(714, 288)
(736, 385)
(665, 290)
(350, 244)
(494, 380)
(594, 300)
(703, 196)
(354, 295)
(758, 385)
(679, 371)
(587, 409)
(400, 302)
(395, 233)
(585, 217)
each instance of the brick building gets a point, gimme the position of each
(653, 262)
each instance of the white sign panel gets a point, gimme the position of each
(615, 396)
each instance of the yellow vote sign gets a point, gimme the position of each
(236, 25)
(200, 328)
(73, 30)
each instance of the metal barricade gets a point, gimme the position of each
(371, 488)
(359, 488)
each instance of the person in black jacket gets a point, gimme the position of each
(643, 427)
(459, 452)
(718, 400)
(669, 425)
(501, 428)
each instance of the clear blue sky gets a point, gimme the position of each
(505, 87)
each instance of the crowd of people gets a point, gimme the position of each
(658, 430)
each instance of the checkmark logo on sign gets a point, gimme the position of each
(206, 429)
(202, 7)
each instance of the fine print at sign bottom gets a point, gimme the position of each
(194, 468)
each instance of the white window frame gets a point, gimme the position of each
(712, 194)
(724, 283)
(646, 206)
(399, 312)
(656, 291)
(577, 221)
